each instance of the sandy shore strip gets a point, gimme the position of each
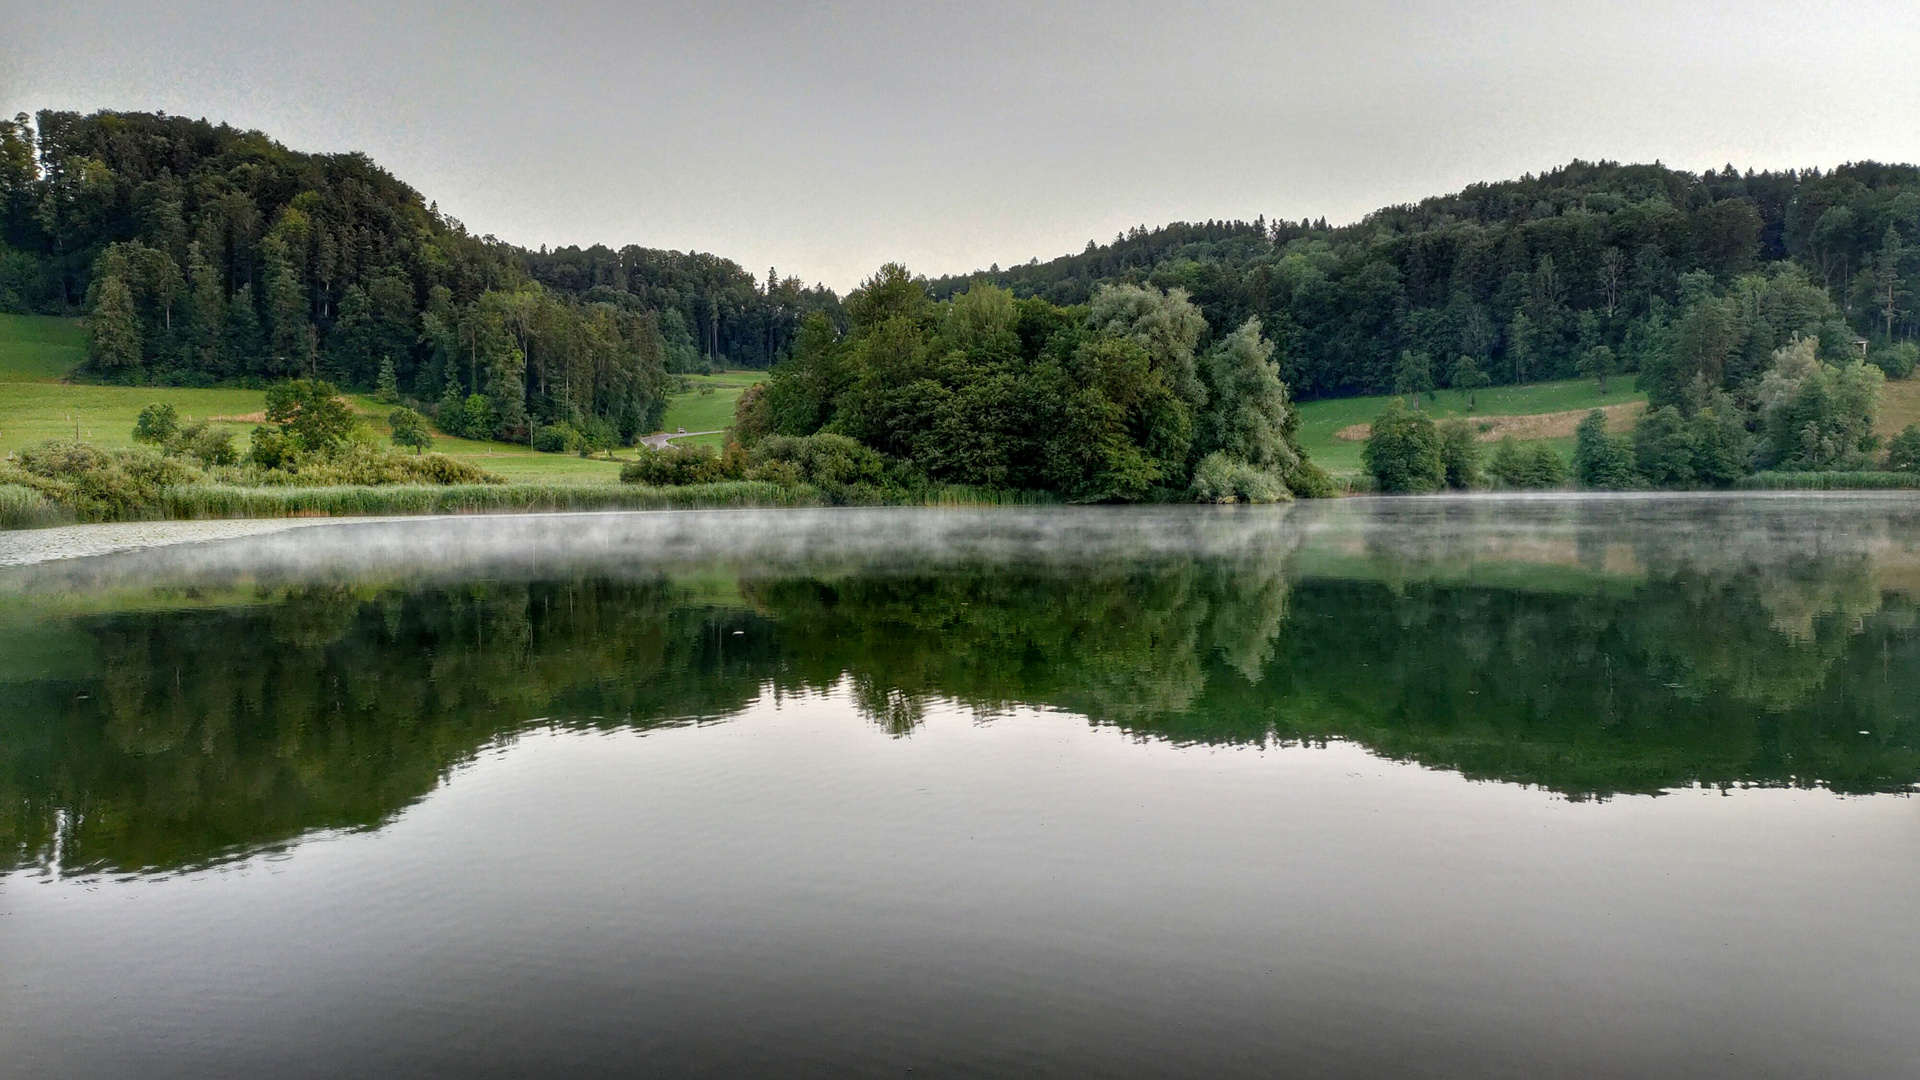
(28, 546)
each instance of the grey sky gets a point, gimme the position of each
(826, 138)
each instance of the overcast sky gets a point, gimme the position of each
(826, 138)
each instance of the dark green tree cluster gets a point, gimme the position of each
(1114, 400)
(712, 312)
(206, 254)
(1530, 278)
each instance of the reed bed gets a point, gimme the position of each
(1827, 481)
(25, 508)
(197, 501)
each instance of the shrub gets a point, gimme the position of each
(1600, 459)
(824, 460)
(272, 450)
(1221, 478)
(1897, 361)
(1535, 465)
(675, 466)
(1309, 481)
(157, 424)
(1903, 450)
(1403, 451)
(211, 447)
(372, 466)
(558, 438)
(96, 484)
(1459, 455)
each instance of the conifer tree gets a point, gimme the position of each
(116, 328)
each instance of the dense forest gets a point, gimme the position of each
(1671, 272)
(204, 254)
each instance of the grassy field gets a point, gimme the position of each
(709, 405)
(36, 351)
(1321, 420)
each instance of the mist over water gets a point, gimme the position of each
(1548, 785)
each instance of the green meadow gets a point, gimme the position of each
(1321, 421)
(37, 351)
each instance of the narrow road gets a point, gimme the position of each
(661, 441)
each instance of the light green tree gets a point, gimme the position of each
(409, 429)
(1403, 451)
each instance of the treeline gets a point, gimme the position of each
(206, 254)
(1668, 271)
(1111, 401)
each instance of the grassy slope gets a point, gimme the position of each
(1319, 420)
(702, 411)
(36, 351)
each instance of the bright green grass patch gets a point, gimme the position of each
(39, 347)
(32, 412)
(708, 406)
(1319, 420)
(514, 461)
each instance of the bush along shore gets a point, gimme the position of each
(1803, 422)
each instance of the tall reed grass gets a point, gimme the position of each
(25, 508)
(220, 501)
(1827, 481)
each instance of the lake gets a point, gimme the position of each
(1573, 786)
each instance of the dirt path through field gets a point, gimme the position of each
(1553, 425)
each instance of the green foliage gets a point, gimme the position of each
(311, 413)
(410, 430)
(1826, 481)
(157, 424)
(1599, 364)
(1708, 449)
(1459, 455)
(1468, 377)
(1403, 451)
(676, 466)
(1248, 416)
(1817, 416)
(204, 443)
(387, 388)
(1903, 450)
(1897, 360)
(1108, 405)
(1223, 478)
(1534, 465)
(22, 507)
(115, 328)
(363, 465)
(1529, 276)
(1413, 375)
(826, 461)
(561, 438)
(95, 484)
(1601, 460)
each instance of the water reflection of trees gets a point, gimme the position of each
(221, 723)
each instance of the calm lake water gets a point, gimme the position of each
(1538, 787)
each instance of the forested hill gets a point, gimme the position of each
(1528, 277)
(205, 253)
